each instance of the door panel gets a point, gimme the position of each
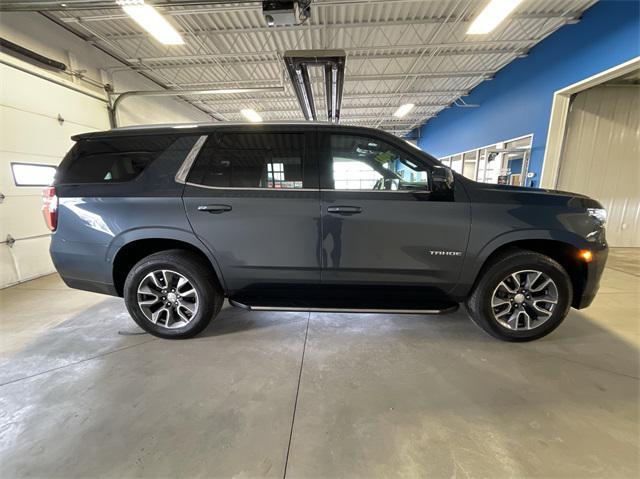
(252, 198)
(266, 238)
(392, 239)
(380, 224)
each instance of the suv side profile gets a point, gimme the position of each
(312, 217)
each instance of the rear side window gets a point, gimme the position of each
(251, 160)
(111, 160)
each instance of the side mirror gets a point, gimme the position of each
(442, 178)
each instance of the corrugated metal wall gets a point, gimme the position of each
(601, 156)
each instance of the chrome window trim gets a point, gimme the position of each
(197, 185)
(248, 188)
(183, 171)
(421, 192)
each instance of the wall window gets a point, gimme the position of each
(501, 163)
(251, 160)
(32, 174)
(362, 163)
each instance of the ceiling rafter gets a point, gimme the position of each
(318, 26)
(248, 58)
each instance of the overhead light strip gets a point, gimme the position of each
(148, 18)
(403, 110)
(492, 15)
(251, 115)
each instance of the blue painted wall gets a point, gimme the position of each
(518, 100)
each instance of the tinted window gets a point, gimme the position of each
(251, 160)
(362, 163)
(107, 160)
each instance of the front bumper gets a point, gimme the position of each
(594, 271)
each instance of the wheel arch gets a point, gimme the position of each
(565, 253)
(128, 251)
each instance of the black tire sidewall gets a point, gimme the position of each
(184, 264)
(482, 312)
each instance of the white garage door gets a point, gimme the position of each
(601, 156)
(31, 133)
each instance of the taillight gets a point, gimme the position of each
(50, 207)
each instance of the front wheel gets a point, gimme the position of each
(172, 295)
(522, 296)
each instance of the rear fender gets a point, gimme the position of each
(177, 234)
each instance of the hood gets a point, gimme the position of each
(486, 192)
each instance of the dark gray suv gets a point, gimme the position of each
(312, 217)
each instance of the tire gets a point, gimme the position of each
(197, 297)
(495, 308)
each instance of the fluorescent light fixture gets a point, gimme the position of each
(403, 110)
(492, 15)
(251, 115)
(148, 18)
(180, 127)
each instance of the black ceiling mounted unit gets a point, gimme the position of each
(332, 62)
(279, 13)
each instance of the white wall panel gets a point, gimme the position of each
(601, 156)
(31, 133)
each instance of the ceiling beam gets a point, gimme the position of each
(560, 15)
(351, 96)
(204, 6)
(234, 108)
(226, 59)
(212, 32)
(350, 78)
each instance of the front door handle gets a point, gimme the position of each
(216, 209)
(344, 210)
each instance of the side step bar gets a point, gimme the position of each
(311, 309)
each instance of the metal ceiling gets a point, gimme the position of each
(398, 51)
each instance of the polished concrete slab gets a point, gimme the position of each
(83, 394)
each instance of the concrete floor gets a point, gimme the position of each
(320, 395)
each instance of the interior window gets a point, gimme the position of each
(361, 163)
(251, 160)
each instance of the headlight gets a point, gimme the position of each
(598, 213)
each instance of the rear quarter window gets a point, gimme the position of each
(111, 160)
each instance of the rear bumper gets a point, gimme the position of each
(93, 286)
(82, 266)
(592, 280)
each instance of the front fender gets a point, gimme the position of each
(475, 260)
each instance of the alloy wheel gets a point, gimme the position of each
(167, 298)
(524, 300)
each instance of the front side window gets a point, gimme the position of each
(251, 160)
(362, 163)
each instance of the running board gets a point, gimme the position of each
(236, 304)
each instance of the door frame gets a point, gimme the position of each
(560, 113)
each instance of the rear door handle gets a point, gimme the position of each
(344, 210)
(217, 209)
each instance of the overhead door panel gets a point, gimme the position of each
(37, 119)
(601, 156)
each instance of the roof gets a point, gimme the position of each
(209, 126)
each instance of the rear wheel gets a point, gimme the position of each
(171, 295)
(522, 296)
